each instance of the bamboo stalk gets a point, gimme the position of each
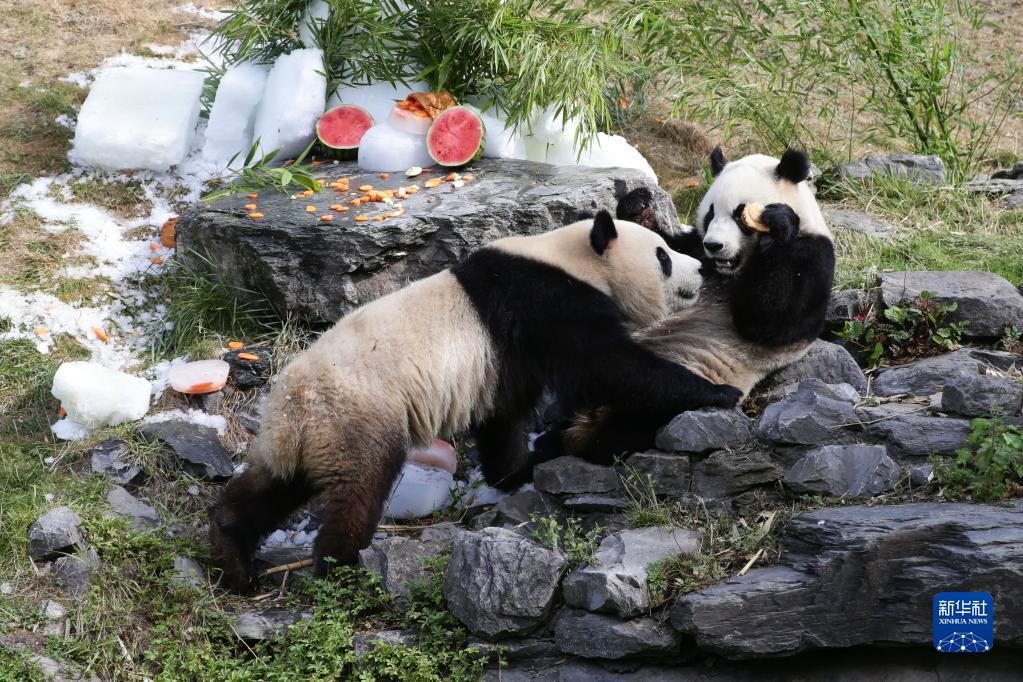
(293, 566)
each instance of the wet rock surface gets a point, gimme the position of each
(320, 271)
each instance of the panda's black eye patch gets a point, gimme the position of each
(665, 260)
(737, 217)
(707, 218)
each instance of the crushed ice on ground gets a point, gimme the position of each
(192, 416)
(295, 536)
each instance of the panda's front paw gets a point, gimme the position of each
(782, 222)
(725, 396)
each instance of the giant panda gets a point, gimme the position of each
(763, 304)
(472, 345)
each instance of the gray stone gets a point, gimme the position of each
(915, 167)
(616, 580)
(187, 574)
(246, 372)
(859, 575)
(54, 533)
(527, 648)
(844, 471)
(994, 186)
(267, 623)
(1014, 173)
(975, 396)
(810, 416)
(124, 505)
(52, 609)
(594, 503)
(593, 635)
(843, 392)
(1014, 201)
(320, 271)
(500, 584)
(668, 475)
(921, 475)
(441, 535)
(113, 458)
(845, 305)
(399, 561)
(571, 475)
(72, 574)
(826, 361)
(517, 510)
(726, 474)
(984, 299)
(927, 376)
(913, 435)
(197, 446)
(366, 642)
(700, 431)
(858, 221)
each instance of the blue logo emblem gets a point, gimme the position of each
(964, 622)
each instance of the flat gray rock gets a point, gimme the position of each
(197, 446)
(518, 509)
(500, 584)
(724, 474)
(809, 416)
(318, 271)
(995, 186)
(268, 623)
(915, 435)
(927, 376)
(593, 635)
(399, 561)
(983, 394)
(826, 361)
(844, 471)
(699, 431)
(860, 575)
(915, 167)
(72, 574)
(616, 581)
(112, 457)
(187, 573)
(573, 476)
(845, 305)
(56, 532)
(126, 506)
(858, 221)
(667, 474)
(985, 300)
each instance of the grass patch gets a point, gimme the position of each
(122, 196)
(26, 407)
(989, 469)
(31, 256)
(578, 545)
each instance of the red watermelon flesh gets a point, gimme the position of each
(343, 126)
(456, 137)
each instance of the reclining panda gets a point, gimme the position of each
(763, 303)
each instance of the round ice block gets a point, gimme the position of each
(419, 491)
(387, 150)
(94, 396)
(408, 122)
(439, 454)
(203, 376)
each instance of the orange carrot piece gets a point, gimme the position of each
(62, 412)
(255, 216)
(247, 356)
(235, 345)
(203, 387)
(326, 217)
(361, 218)
(384, 176)
(365, 188)
(378, 218)
(341, 209)
(100, 334)
(156, 261)
(310, 209)
(249, 207)
(432, 182)
(153, 246)
(252, 196)
(41, 331)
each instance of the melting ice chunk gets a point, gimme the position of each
(233, 114)
(315, 12)
(138, 118)
(95, 396)
(294, 99)
(419, 491)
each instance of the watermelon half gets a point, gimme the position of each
(343, 126)
(456, 137)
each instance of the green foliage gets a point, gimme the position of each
(578, 545)
(1012, 340)
(258, 173)
(914, 329)
(989, 469)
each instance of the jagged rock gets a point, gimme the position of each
(843, 391)
(927, 376)
(994, 186)
(571, 476)
(812, 415)
(246, 372)
(915, 167)
(268, 623)
(845, 305)
(844, 471)
(441, 535)
(700, 431)
(365, 642)
(197, 446)
(858, 221)
(616, 581)
(984, 299)
(72, 574)
(594, 503)
(912, 435)
(528, 648)
(667, 474)
(921, 475)
(727, 474)
(320, 271)
(123, 504)
(826, 361)
(112, 457)
(975, 396)
(518, 509)
(593, 635)
(500, 584)
(187, 574)
(878, 567)
(54, 533)
(399, 561)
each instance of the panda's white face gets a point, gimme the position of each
(727, 243)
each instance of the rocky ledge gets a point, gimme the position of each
(319, 271)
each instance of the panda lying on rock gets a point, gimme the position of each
(763, 303)
(473, 345)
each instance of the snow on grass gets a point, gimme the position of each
(201, 12)
(192, 416)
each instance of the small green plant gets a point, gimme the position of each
(989, 469)
(258, 172)
(1012, 340)
(578, 545)
(914, 329)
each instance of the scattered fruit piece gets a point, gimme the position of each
(310, 209)
(326, 217)
(432, 182)
(413, 171)
(468, 177)
(252, 196)
(153, 246)
(249, 207)
(378, 218)
(365, 188)
(62, 412)
(203, 387)
(336, 207)
(235, 345)
(384, 176)
(41, 331)
(411, 190)
(156, 261)
(389, 214)
(341, 209)
(100, 334)
(247, 356)
(452, 176)
(167, 237)
(361, 218)
(255, 216)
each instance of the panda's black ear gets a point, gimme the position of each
(717, 161)
(603, 232)
(794, 166)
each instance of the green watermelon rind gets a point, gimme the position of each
(479, 150)
(319, 135)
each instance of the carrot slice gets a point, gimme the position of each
(378, 218)
(247, 356)
(41, 331)
(62, 412)
(252, 196)
(432, 182)
(255, 216)
(326, 217)
(235, 345)
(249, 207)
(361, 218)
(341, 209)
(100, 334)
(156, 261)
(153, 246)
(200, 388)
(310, 209)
